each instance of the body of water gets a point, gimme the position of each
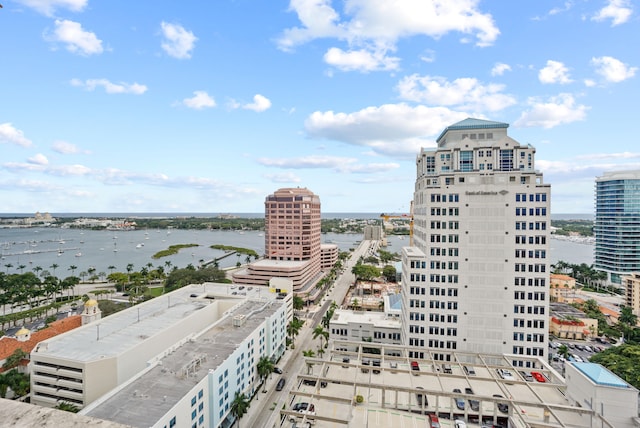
(84, 249)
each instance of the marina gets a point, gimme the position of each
(109, 251)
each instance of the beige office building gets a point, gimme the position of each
(477, 278)
(631, 284)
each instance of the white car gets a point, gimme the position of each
(505, 374)
(460, 424)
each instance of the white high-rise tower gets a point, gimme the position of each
(477, 277)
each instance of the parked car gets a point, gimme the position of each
(538, 376)
(309, 382)
(446, 368)
(303, 406)
(459, 401)
(474, 404)
(280, 384)
(345, 360)
(501, 406)
(460, 423)
(505, 374)
(469, 371)
(277, 370)
(434, 422)
(415, 366)
(526, 376)
(420, 396)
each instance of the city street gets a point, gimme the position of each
(265, 407)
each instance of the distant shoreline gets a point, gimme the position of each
(327, 215)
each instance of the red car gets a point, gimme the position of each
(414, 365)
(538, 376)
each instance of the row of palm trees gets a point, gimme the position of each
(583, 273)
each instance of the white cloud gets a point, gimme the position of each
(76, 39)
(558, 110)
(286, 177)
(612, 69)
(38, 159)
(109, 87)
(178, 42)
(373, 25)
(618, 11)
(12, 135)
(391, 129)
(318, 20)
(335, 163)
(466, 93)
(199, 101)
(500, 68)
(260, 103)
(66, 148)
(360, 60)
(600, 156)
(554, 72)
(305, 162)
(48, 7)
(428, 56)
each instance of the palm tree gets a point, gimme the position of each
(265, 367)
(129, 269)
(111, 268)
(564, 351)
(8, 266)
(21, 267)
(293, 329)
(54, 267)
(309, 354)
(73, 268)
(239, 406)
(627, 316)
(320, 332)
(37, 270)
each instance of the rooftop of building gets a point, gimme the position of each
(8, 345)
(600, 375)
(531, 403)
(379, 319)
(115, 334)
(472, 123)
(18, 414)
(163, 385)
(275, 264)
(620, 175)
(563, 310)
(562, 277)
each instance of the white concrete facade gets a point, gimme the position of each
(149, 356)
(376, 327)
(594, 387)
(478, 279)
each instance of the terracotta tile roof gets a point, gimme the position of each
(561, 276)
(9, 345)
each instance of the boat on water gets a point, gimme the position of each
(78, 254)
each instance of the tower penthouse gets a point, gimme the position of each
(477, 279)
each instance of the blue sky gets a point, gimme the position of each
(209, 106)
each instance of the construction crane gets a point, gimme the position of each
(386, 217)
